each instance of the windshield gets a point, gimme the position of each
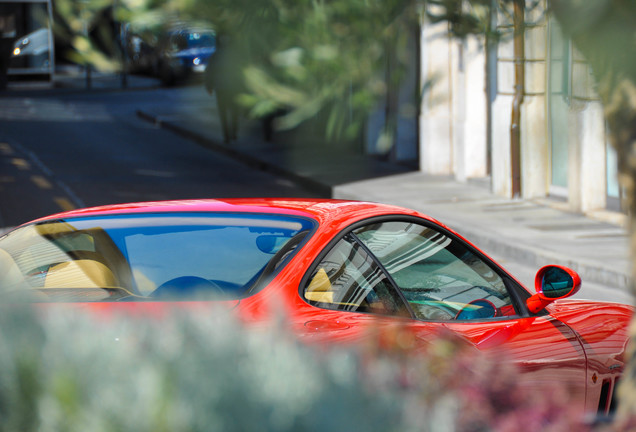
(200, 40)
(147, 256)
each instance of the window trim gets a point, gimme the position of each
(518, 293)
(377, 262)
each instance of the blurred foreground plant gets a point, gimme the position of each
(204, 371)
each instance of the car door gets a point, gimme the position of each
(411, 268)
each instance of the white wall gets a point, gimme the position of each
(436, 147)
(453, 118)
(534, 126)
(469, 109)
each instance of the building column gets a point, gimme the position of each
(587, 168)
(436, 142)
(469, 109)
(453, 116)
(501, 172)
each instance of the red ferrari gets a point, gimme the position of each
(335, 267)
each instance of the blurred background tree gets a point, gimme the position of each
(324, 62)
(87, 27)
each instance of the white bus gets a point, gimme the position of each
(28, 24)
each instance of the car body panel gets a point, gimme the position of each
(524, 341)
(577, 343)
(603, 331)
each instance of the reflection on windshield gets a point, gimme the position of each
(138, 257)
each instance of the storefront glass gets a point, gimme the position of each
(558, 106)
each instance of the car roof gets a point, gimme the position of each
(325, 211)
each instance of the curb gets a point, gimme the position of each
(251, 161)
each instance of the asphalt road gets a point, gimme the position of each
(66, 149)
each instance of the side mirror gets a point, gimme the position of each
(553, 282)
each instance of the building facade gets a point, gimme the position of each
(521, 113)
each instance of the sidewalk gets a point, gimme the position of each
(518, 232)
(78, 79)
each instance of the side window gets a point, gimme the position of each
(348, 279)
(439, 276)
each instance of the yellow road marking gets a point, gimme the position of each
(22, 164)
(64, 203)
(5, 149)
(41, 182)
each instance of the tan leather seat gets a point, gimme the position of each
(320, 289)
(80, 274)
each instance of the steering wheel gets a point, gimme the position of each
(187, 288)
(480, 308)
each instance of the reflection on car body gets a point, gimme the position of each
(327, 262)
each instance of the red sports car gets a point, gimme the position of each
(335, 267)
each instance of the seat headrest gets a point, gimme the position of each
(320, 288)
(80, 274)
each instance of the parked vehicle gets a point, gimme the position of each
(182, 52)
(336, 268)
(32, 50)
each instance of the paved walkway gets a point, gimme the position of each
(521, 234)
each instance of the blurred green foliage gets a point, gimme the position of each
(328, 63)
(315, 59)
(75, 23)
(325, 60)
